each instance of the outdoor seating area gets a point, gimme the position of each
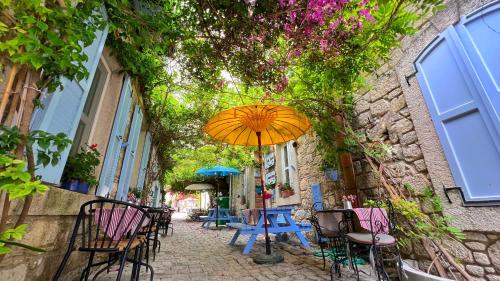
(259, 140)
(359, 234)
(115, 232)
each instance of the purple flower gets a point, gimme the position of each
(363, 2)
(366, 14)
(323, 44)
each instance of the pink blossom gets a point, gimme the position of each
(323, 44)
(366, 14)
(363, 2)
(307, 30)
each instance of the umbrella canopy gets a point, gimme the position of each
(275, 123)
(199, 186)
(219, 171)
(257, 125)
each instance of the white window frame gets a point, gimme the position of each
(290, 158)
(90, 120)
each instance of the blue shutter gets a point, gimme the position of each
(317, 196)
(129, 159)
(479, 34)
(456, 74)
(110, 163)
(62, 109)
(144, 161)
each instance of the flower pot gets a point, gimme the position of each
(286, 193)
(332, 174)
(347, 205)
(83, 187)
(70, 185)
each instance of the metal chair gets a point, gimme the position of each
(151, 231)
(110, 227)
(165, 221)
(330, 230)
(379, 240)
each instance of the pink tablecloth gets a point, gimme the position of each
(251, 216)
(117, 229)
(378, 219)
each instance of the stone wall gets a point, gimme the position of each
(393, 112)
(51, 220)
(309, 172)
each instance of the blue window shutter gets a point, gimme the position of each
(110, 163)
(62, 109)
(144, 161)
(455, 95)
(317, 196)
(129, 159)
(479, 35)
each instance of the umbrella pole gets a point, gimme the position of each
(268, 241)
(217, 204)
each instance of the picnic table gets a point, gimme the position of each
(287, 225)
(223, 216)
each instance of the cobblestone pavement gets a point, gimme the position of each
(193, 254)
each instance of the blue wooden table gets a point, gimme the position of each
(223, 216)
(274, 226)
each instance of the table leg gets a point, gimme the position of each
(291, 222)
(302, 239)
(235, 237)
(250, 243)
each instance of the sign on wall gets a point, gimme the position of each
(269, 160)
(271, 177)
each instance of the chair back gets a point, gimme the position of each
(382, 218)
(102, 224)
(327, 224)
(155, 214)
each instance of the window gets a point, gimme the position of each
(289, 164)
(459, 76)
(83, 132)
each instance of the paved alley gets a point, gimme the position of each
(193, 254)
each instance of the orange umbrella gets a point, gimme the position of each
(257, 125)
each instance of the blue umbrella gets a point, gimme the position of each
(218, 171)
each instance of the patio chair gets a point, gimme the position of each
(106, 226)
(150, 233)
(165, 221)
(330, 229)
(380, 241)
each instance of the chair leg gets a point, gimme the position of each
(139, 263)
(110, 263)
(135, 272)
(323, 255)
(147, 253)
(62, 265)
(123, 258)
(86, 272)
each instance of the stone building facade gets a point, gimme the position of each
(52, 215)
(394, 112)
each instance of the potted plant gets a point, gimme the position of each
(285, 190)
(270, 186)
(79, 171)
(348, 200)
